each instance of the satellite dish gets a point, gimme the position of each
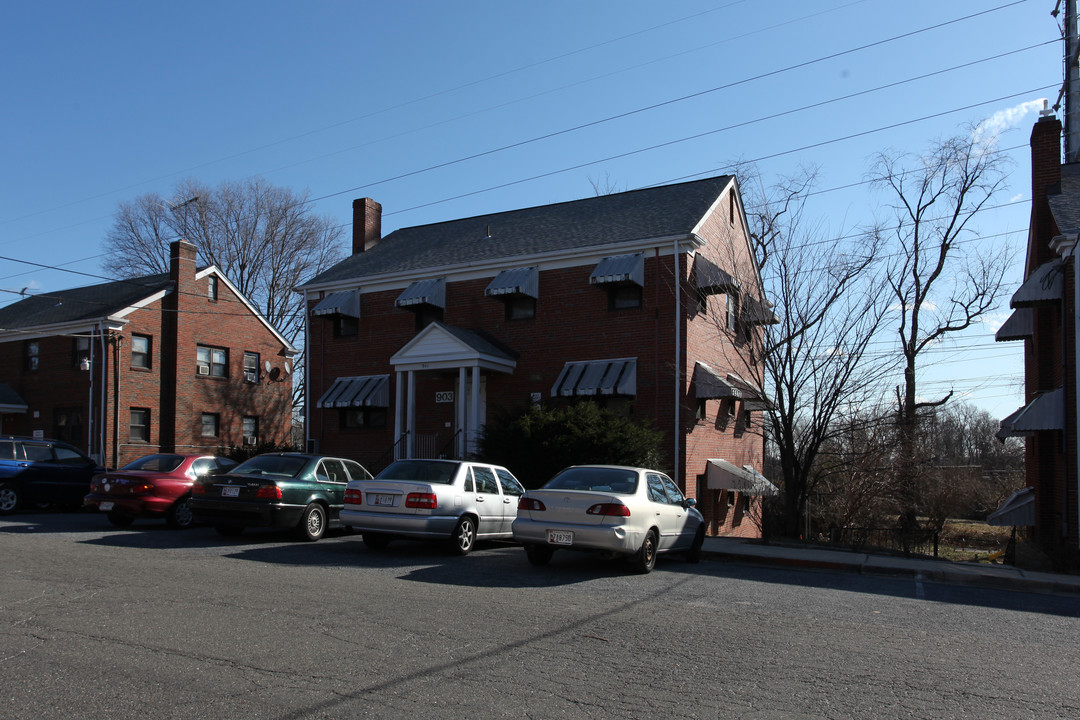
(288, 368)
(266, 365)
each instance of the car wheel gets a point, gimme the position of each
(693, 555)
(179, 515)
(312, 523)
(539, 555)
(120, 519)
(375, 541)
(644, 560)
(229, 530)
(464, 535)
(10, 498)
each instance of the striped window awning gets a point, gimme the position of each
(519, 281)
(708, 385)
(711, 280)
(1020, 325)
(364, 391)
(1046, 411)
(342, 302)
(620, 269)
(758, 312)
(752, 396)
(424, 292)
(1018, 510)
(597, 377)
(1042, 286)
(723, 475)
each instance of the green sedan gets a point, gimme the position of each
(286, 490)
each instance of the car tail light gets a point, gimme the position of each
(616, 509)
(528, 503)
(354, 497)
(268, 492)
(198, 489)
(143, 487)
(421, 501)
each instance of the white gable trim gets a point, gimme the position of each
(434, 348)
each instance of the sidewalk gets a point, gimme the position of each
(1003, 577)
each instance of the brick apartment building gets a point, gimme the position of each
(1045, 318)
(174, 362)
(648, 302)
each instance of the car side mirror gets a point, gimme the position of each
(689, 503)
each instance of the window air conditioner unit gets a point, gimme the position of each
(249, 376)
(204, 369)
(251, 440)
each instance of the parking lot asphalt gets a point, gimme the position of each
(921, 569)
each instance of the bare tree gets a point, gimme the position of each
(265, 239)
(828, 307)
(940, 280)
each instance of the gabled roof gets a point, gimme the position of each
(659, 212)
(80, 304)
(1065, 204)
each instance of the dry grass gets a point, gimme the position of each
(973, 541)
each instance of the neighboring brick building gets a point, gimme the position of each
(1045, 318)
(646, 301)
(176, 362)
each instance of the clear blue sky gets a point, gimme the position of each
(103, 102)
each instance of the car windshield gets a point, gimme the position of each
(612, 480)
(155, 463)
(283, 465)
(438, 472)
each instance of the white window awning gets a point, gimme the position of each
(1018, 510)
(342, 302)
(723, 475)
(708, 384)
(424, 292)
(1046, 411)
(751, 394)
(597, 377)
(1042, 286)
(519, 281)
(620, 269)
(711, 279)
(11, 401)
(1020, 325)
(364, 391)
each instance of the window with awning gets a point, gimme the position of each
(342, 302)
(519, 281)
(709, 385)
(721, 474)
(424, 292)
(752, 396)
(711, 279)
(362, 391)
(1019, 326)
(620, 269)
(1045, 412)
(597, 377)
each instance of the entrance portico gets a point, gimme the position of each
(441, 348)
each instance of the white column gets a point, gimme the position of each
(399, 419)
(410, 418)
(474, 411)
(459, 444)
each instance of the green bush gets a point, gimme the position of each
(537, 443)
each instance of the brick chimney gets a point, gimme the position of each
(1045, 180)
(181, 263)
(367, 224)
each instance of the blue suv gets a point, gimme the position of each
(34, 472)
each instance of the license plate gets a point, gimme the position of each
(230, 491)
(105, 506)
(385, 500)
(560, 537)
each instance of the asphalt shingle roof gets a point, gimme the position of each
(668, 210)
(83, 303)
(1065, 205)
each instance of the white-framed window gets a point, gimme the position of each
(139, 425)
(140, 351)
(211, 424)
(212, 287)
(251, 368)
(212, 361)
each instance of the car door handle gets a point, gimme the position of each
(506, 500)
(479, 498)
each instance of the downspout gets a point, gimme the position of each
(307, 373)
(90, 401)
(1076, 381)
(117, 342)
(678, 357)
(103, 425)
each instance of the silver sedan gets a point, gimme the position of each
(455, 500)
(632, 512)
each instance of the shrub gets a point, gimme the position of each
(537, 443)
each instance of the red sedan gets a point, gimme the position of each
(153, 486)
